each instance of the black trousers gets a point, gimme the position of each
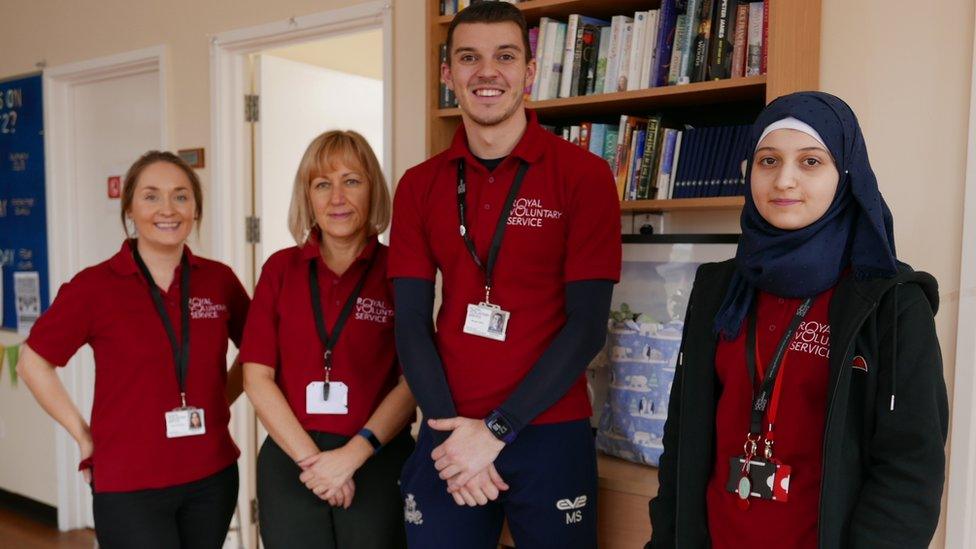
(194, 515)
(292, 517)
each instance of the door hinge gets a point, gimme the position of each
(251, 112)
(252, 229)
(254, 511)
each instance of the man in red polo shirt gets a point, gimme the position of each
(525, 230)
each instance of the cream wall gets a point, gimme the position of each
(60, 32)
(906, 72)
(359, 53)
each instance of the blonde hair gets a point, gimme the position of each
(354, 151)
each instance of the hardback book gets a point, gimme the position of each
(445, 98)
(569, 53)
(739, 40)
(648, 162)
(573, 52)
(534, 47)
(551, 82)
(584, 134)
(617, 24)
(754, 40)
(598, 132)
(633, 161)
(720, 59)
(539, 51)
(688, 41)
(680, 38)
(589, 44)
(667, 20)
(636, 51)
(626, 43)
(665, 163)
(628, 127)
(601, 61)
(610, 144)
(674, 164)
(702, 40)
(650, 51)
(765, 37)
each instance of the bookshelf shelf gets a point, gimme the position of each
(534, 9)
(700, 93)
(718, 203)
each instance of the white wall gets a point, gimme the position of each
(27, 461)
(298, 102)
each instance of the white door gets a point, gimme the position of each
(113, 122)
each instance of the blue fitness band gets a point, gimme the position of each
(371, 439)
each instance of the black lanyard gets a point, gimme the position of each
(329, 341)
(496, 241)
(760, 399)
(181, 351)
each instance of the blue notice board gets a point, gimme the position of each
(23, 223)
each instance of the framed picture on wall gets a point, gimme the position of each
(631, 381)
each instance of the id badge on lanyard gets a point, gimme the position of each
(752, 475)
(183, 421)
(328, 396)
(486, 319)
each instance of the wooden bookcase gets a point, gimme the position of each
(793, 64)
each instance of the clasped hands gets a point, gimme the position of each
(329, 474)
(466, 460)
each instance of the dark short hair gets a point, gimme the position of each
(490, 12)
(148, 159)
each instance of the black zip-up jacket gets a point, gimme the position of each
(884, 439)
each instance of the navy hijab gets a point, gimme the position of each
(855, 231)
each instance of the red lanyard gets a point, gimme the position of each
(777, 391)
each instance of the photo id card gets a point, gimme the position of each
(766, 479)
(185, 422)
(486, 320)
(338, 402)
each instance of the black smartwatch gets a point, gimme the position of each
(500, 427)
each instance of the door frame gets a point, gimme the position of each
(232, 167)
(961, 482)
(63, 219)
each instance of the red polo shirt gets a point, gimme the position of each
(564, 227)
(281, 333)
(799, 427)
(109, 307)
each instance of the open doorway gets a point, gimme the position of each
(304, 90)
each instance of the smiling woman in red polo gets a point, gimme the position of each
(158, 454)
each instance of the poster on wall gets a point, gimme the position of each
(23, 223)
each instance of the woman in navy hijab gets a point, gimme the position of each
(808, 408)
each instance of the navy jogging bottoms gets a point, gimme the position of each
(551, 500)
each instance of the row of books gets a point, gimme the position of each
(709, 40)
(451, 7)
(651, 161)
